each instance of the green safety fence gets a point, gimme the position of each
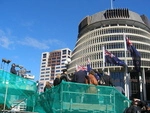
(70, 97)
(15, 90)
(67, 97)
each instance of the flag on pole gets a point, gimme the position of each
(89, 68)
(136, 57)
(112, 59)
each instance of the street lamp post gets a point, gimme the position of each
(67, 62)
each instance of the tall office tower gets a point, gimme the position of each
(52, 63)
(108, 28)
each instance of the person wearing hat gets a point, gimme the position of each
(107, 79)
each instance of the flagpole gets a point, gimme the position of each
(141, 89)
(126, 77)
(111, 3)
(108, 71)
(103, 59)
(144, 84)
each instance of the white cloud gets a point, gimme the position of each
(55, 42)
(28, 41)
(4, 40)
(43, 45)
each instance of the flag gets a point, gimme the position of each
(136, 57)
(97, 74)
(80, 67)
(112, 59)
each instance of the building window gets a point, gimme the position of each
(46, 78)
(47, 72)
(64, 52)
(69, 52)
(52, 74)
(57, 70)
(44, 60)
(63, 59)
(63, 56)
(47, 68)
(58, 57)
(44, 55)
(57, 67)
(53, 58)
(63, 66)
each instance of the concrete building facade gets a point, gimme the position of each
(108, 28)
(52, 63)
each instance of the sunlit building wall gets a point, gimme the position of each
(52, 63)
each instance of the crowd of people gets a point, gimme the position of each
(82, 76)
(95, 78)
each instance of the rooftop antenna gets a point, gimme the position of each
(111, 2)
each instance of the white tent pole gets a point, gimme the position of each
(103, 59)
(126, 77)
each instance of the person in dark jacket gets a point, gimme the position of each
(57, 80)
(107, 79)
(80, 76)
(134, 108)
(13, 70)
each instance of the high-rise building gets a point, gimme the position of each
(52, 63)
(108, 28)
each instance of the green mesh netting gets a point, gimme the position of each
(15, 89)
(69, 97)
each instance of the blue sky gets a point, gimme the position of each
(30, 27)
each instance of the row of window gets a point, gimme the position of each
(55, 54)
(45, 69)
(117, 30)
(114, 29)
(42, 79)
(91, 50)
(99, 64)
(90, 44)
(122, 29)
